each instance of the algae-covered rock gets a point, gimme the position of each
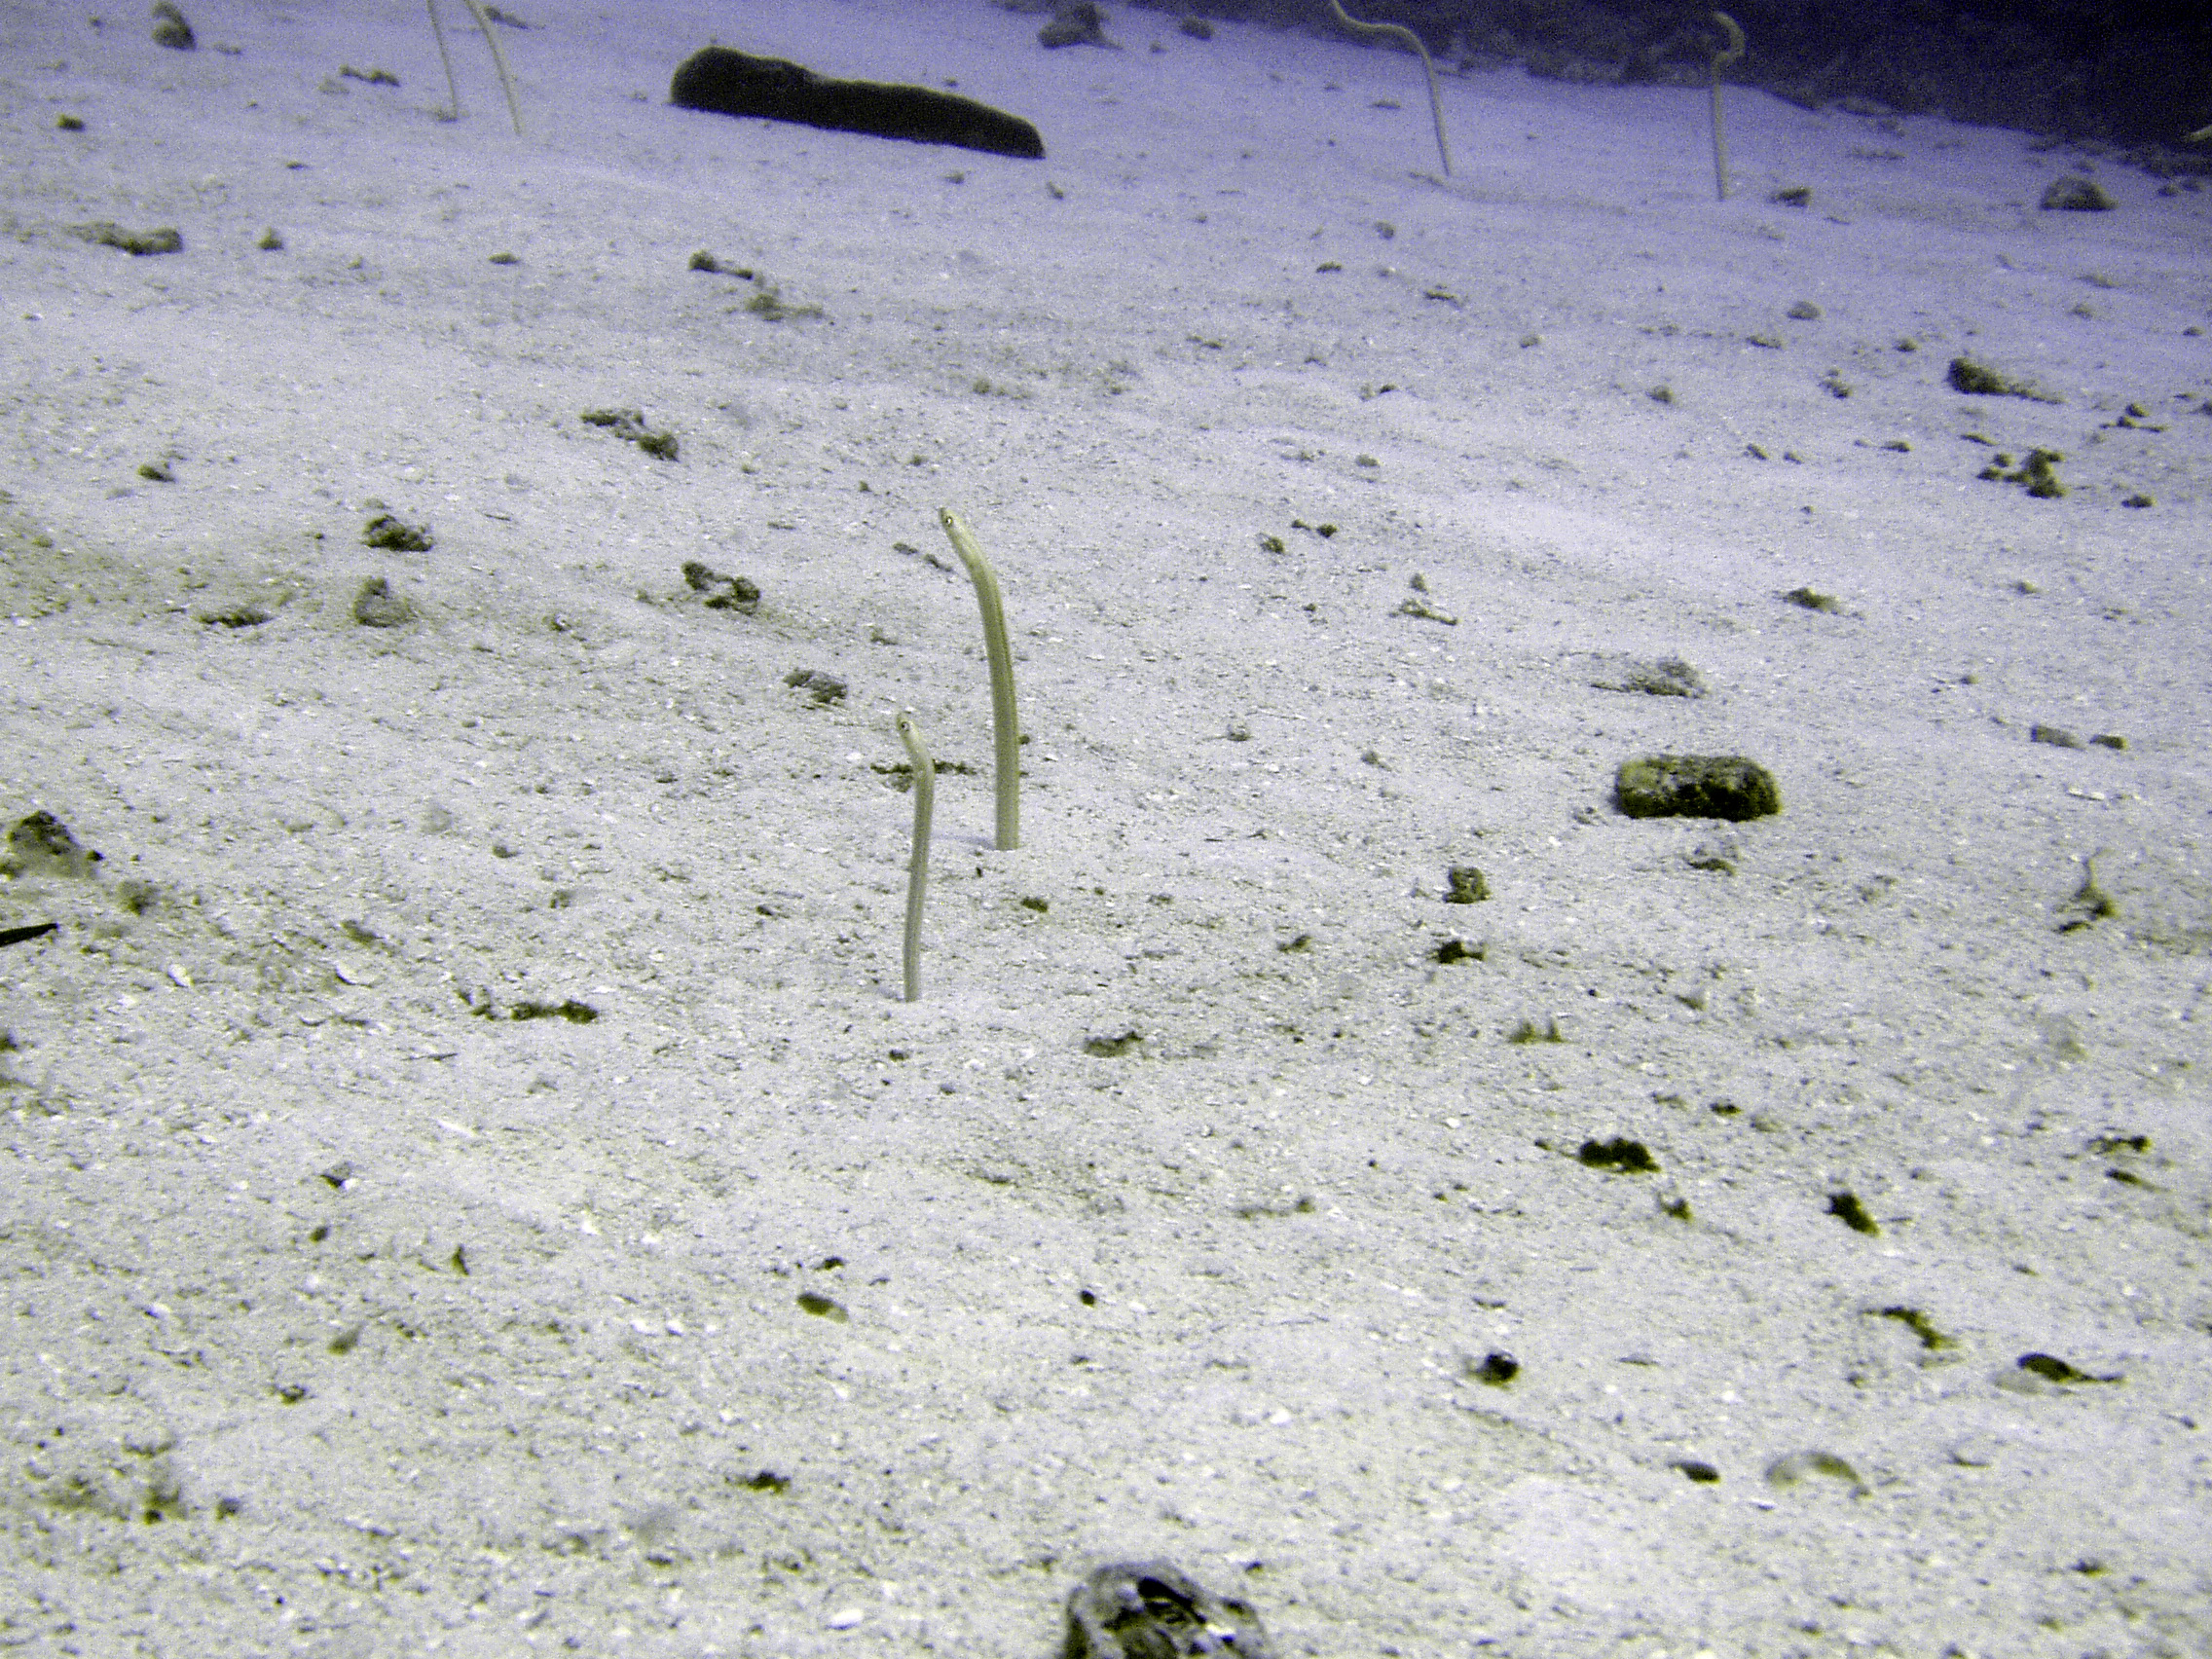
(2036, 472)
(1979, 380)
(1629, 1157)
(1153, 1609)
(42, 846)
(1696, 786)
(171, 28)
(376, 606)
(1668, 677)
(396, 536)
(1080, 23)
(1464, 884)
(106, 233)
(2075, 193)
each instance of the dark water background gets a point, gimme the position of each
(2135, 74)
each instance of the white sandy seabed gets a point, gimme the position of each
(731, 1305)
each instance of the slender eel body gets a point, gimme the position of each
(498, 60)
(1405, 36)
(917, 871)
(1006, 728)
(1720, 61)
(453, 87)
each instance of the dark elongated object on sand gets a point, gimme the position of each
(731, 82)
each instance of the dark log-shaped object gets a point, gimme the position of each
(731, 82)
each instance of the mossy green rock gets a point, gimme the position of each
(1696, 786)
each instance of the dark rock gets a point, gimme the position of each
(1153, 1609)
(1846, 1208)
(1696, 786)
(1628, 1157)
(2075, 193)
(1496, 1370)
(1078, 24)
(723, 82)
(2052, 1369)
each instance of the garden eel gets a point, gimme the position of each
(1006, 730)
(1405, 36)
(918, 871)
(498, 61)
(1720, 61)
